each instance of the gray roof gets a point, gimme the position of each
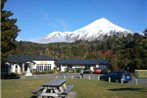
(25, 58)
(82, 62)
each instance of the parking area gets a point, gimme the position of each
(85, 76)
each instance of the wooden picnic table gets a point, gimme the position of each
(54, 83)
(54, 89)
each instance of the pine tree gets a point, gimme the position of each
(145, 32)
(9, 31)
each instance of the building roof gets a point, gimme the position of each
(26, 58)
(82, 62)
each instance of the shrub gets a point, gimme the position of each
(78, 70)
(44, 72)
(11, 76)
(70, 70)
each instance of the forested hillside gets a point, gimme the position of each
(129, 52)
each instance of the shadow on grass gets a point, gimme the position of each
(33, 97)
(129, 89)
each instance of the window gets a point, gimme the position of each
(47, 67)
(37, 68)
(41, 67)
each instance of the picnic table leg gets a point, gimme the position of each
(39, 96)
(45, 89)
(64, 86)
(61, 89)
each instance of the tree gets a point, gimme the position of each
(114, 63)
(9, 31)
(145, 32)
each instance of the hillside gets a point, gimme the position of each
(125, 52)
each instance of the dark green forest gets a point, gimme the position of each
(128, 52)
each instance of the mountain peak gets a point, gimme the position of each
(99, 23)
(93, 31)
(102, 20)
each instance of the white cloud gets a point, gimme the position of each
(45, 16)
(54, 23)
(62, 24)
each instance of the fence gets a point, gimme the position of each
(135, 81)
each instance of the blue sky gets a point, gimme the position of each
(37, 18)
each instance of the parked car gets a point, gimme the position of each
(97, 70)
(87, 70)
(116, 76)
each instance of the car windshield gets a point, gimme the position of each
(121, 72)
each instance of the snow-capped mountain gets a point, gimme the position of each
(94, 31)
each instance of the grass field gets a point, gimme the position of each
(84, 89)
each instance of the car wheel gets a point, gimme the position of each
(101, 79)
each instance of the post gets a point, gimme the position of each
(64, 77)
(72, 76)
(121, 80)
(23, 67)
(56, 77)
(109, 79)
(34, 76)
(136, 82)
(98, 78)
(89, 77)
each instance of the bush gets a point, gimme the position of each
(44, 72)
(70, 70)
(11, 76)
(78, 70)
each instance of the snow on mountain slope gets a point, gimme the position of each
(95, 30)
(56, 36)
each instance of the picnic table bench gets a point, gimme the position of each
(53, 89)
(68, 89)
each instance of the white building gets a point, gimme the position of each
(88, 64)
(39, 63)
(20, 63)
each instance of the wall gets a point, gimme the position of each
(104, 67)
(141, 73)
(76, 66)
(15, 68)
(63, 68)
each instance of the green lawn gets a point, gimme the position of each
(84, 89)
